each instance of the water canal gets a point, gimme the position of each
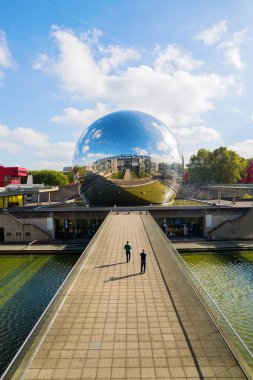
(27, 285)
(228, 278)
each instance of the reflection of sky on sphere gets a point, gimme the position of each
(127, 133)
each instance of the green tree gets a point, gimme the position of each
(222, 165)
(228, 166)
(70, 176)
(50, 177)
(199, 166)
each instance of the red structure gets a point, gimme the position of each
(11, 175)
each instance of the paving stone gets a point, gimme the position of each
(118, 324)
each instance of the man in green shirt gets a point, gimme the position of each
(127, 248)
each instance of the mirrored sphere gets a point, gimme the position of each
(127, 158)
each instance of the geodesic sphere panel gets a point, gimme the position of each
(127, 158)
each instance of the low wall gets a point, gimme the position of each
(240, 228)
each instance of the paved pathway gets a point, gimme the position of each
(191, 245)
(118, 324)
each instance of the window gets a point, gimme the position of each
(27, 234)
(18, 234)
(8, 234)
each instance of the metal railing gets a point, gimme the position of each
(236, 344)
(27, 351)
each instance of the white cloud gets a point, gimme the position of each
(230, 46)
(29, 136)
(81, 119)
(9, 147)
(232, 49)
(5, 55)
(173, 58)
(96, 155)
(96, 134)
(243, 148)
(85, 148)
(4, 130)
(236, 40)
(237, 110)
(92, 36)
(233, 58)
(24, 136)
(115, 56)
(140, 151)
(62, 150)
(196, 135)
(50, 165)
(162, 146)
(177, 97)
(251, 118)
(6, 60)
(75, 66)
(214, 34)
(35, 144)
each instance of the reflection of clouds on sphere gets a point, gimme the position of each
(127, 158)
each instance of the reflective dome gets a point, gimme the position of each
(127, 158)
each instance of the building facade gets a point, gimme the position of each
(11, 175)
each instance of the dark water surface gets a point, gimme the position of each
(27, 285)
(228, 278)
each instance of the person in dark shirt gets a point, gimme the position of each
(127, 248)
(143, 261)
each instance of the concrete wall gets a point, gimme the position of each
(212, 221)
(240, 228)
(213, 218)
(16, 231)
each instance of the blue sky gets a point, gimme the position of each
(65, 63)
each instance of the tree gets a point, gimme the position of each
(50, 177)
(222, 166)
(228, 166)
(199, 166)
(70, 176)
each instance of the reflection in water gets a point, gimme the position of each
(128, 158)
(27, 285)
(228, 278)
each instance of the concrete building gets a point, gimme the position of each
(11, 175)
(73, 222)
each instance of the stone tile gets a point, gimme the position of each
(118, 373)
(133, 373)
(31, 373)
(74, 373)
(177, 372)
(147, 373)
(132, 362)
(89, 373)
(119, 362)
(105, 362)
(162, 372)
(60, 373)
(127, 328)
(191, 371)
(104, 373)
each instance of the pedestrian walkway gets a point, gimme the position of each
(115, 323)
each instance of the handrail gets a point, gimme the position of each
(211, 299)
(29, 245)
(14, 370)
(209, 304)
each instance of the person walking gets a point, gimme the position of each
(143, 261)
(128, 248)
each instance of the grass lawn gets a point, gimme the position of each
(103, 194)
